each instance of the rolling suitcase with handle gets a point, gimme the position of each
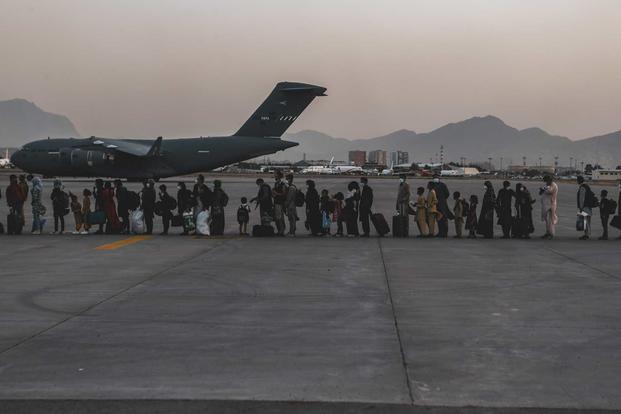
(400, 226)
(380, 224)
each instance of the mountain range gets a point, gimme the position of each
(475, 139)
(22, 121)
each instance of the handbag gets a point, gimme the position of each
(579, 223)
(176, 221)
(96, 217)
(616, 222)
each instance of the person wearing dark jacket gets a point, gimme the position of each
(60, 204)
(505, 209)
(350, 211)
(524, 212)
(443, 194)
(219, 201)
(313, 214)
(148, 204)
(14, 198)
(366, 202)
(279, 192)
(202, 194)
(167, 204)
(604, 213)
(122, 200)
(263, 200)
(485, 225)
(185, 201)
(99, 201)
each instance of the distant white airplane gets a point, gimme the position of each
(6, 161)
(332, 169)
(389, 171)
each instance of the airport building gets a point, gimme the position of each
(399, 157)
(357, 158)
(378, 157)
(611, 175)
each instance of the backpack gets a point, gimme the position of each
(611, 207)
(64, 200)
(133, 200)
(242, 215)
(299, 198)
(169, 202)
(590, 199)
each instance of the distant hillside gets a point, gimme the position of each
(476, 139)
(22, 121)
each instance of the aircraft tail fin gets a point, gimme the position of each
(281, 108)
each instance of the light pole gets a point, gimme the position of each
(524, 161)
(555, 164)
(501, 158)
(571, 163)
(490, 163)
(539, 162)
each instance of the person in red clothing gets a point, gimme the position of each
(113, 224)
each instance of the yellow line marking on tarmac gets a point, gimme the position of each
(122, 243)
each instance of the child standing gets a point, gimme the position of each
(471, 220)
(243, 216)
(324, 207)
(338, 216)
(86, 209)
(76, 209)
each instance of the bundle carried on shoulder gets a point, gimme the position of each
(136, 222)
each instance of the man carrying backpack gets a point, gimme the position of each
(586, 202)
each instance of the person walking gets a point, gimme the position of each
(279, 193)
(202, 194)
(486, 218)
(352, 200)
(505, 209)
(14, 201)
(113, 225)
(86, 209)
(444, 212)
(459, 210)
(313, 215)
(549, 197)
(421, 212)
(366, 202)
(523, 223)
(432, 208)
(99, 202)
(147, 202)
(290, 206)
(185, 203)
(586, 201)
(606, 207)
(403, 196)
(122, 200)
(220, 201)
(263, 201)
(23, 185)
(38, 209)
(167, 205)
(471, 219)
(60, 206)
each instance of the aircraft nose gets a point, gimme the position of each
(16, 159)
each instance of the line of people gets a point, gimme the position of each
(113, 209)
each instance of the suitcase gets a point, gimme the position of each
(176, 221)
(262, 230)
(380, 224)
(400, 226)
(13, 224)
(616, 222)
(96, 217)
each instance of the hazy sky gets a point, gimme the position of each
(190, 67)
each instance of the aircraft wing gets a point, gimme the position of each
(138, 149)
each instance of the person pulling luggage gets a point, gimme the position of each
(366, 202)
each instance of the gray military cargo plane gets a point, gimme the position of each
(140, 159)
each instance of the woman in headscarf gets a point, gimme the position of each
(485, 225)
(38, 209)
(524, 212)
(313, 212)
(549, 196)
(113, 225)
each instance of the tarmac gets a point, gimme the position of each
(311, 325)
